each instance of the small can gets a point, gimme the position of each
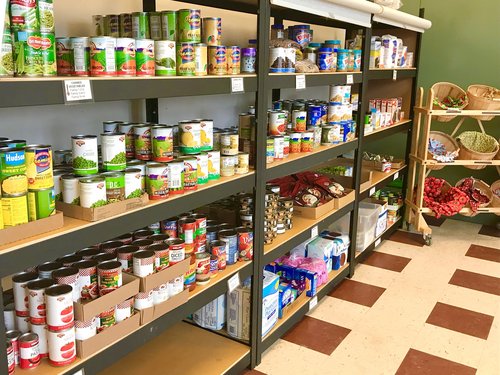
(98, 23)
(15, 210)
(248, 60)
(59, 302)
(213, 165)
(176, 250)
(176, 177)
(142, 142)
(143, 234)
(189, 25)
(68, 276)
(299, 121)
(202, 268)
(104, 257)
(245, 243)
(316, 135)
(228, 165)
(187, 233)
(140, 25)
(243, 163)
(113, 151)
(102, 56)
(162, 256)
(124, 310)
(155, 25)
(233, 60)
(92, 192)
(106, 319)
(143, 300)
(7, 69)
(231, 239)
(211, 31)
(19, 288)
(62, 347)
(169, 25)
(157, 181)
(277, 122)
(314, 115)
(110, 247)
(162, 142)
(126, 25)
(36, 299)
(190, 137)
(84, 330)
(307, 141)
(143, 263)
(200, 59)
(127, 128)
(145, 57)
(29, 353)
(125, 57)
(269, 150)
(206, 134)
(57, 174)
(133, 183)
(327, 135)
(202, 168)
(115, 186)
(169, 227)
(125, 256)
(190, 172)
(87, 279)
(190, 275)
(160, 294)
(217, 60)
(218, 248)
(214, 266)
(286, 145)
(109, 276)
(110, 126)
(64, 56)
(41, 204)
(165, 59)
(295, 141)
(186, 65)
(229, 144)
(85, 156)
(212, 231)
(155, 227)
(279, 145)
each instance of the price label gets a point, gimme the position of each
(396, 175)
(378, 242)
(313, 302)
(349, 79)
(237, 85)
(233, 282)
(300, 82)
(372, 191)
(314, 232)
(394, 75)
(77, 90)
(79, 372)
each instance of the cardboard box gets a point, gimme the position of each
(33, 228)
(107, 337)
(314, 212)
(346, 199)
(152, 281)
(87, 310)
(104, 212)
(395, 164)
(150, 314)
(347, 182)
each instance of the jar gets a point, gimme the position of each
(277, 31)
(335, 44)
(357, 60)
(248, 59)
(310, 53)
(350, 64)
(325, 60)
(342, 60)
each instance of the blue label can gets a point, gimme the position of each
(314, 115)
(230, 237)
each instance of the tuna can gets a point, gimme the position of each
(142, 142)
(64, 56)
(23, 324)
(186, 64)
(248, 60)
(233, 60)
(160, 294)
(41, 204)
(189, 25)
(124, 310)
(210, 31)
(92, 192)
(161, 255)
(169, 227)
(190, 137)
(243, 163)
(217, 60)
(190, 173)
(109, 276)
(87, 279)
(299, 120)
(206, 134)
(218, 248)
(104, 257)
(165, 59)
(314, 115)
(190, 275)
(145, 57)
(231, 239)
(176, 250)
(29, 353)
(85, 330)
(143, 300)
(202, 168)
(187, 233)
(125, 256)
(85, 156)
(228, 165)
(157, 181)
(202, 268)
(36, 299)
(200, 59)
(113, 151)
(169, 25)
(126, 25)
(106, 319)
(115, 186)
(140, 25)
(213, 165)
(62, 347)
(245, 243)
(19, 283)
(13, 171)
(48, 47)
(269, 150)
(68, 276)
(70, 189)
(59, 300)
(176, 177)
(125, 57)
(11, 359)
(45, 270)
(229, 144)
(102, 56)
(143, 263)
(133, 183)
(154, 25)
(279, 144)
(42, 331)
(175, 286)
(162, 138)
(277, 121)
(201, 232)
(307, 142)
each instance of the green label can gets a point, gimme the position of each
(213, 165)
(202, 160)
(126, 25)
(127, 128)
(115, 186)
(155, 25)
(142, 142)
(85, 155)
(113, 151)
(64, 55)
(49, 54)
(141, 165)
(125, 57)
(28, 52)
(24, 15)
(169, 25)
(145, 57)
(162, 138)
(41, 204)
(112, 25)
(92, 192)
(14, 210)
(189, 25)
(80, 47)
(165, 58)
(133, 183)
(98, 22)
(186, 65)
(207, 134)
(140, 25)
(13, 171)
(190, 137)
(46, 13)
(190, 172)
(157, 181)
(6, 57)
(102, 56)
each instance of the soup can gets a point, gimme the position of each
(12, 337)
(125, 256)
(160, 294)
(245, 243)
(62, 347)
(106, 319)
(19, 288)
(84, 330)
(109, 276)
(161, 255)
(187, 233)
(36, 299)
(202, 268)
(29, 352)
(87, 279)
(230, 237)
(157, 181)
(176, 250)
(124, 310)
(59, 300)
(68, 276)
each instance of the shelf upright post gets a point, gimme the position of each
(151, 104)
(3, 337)
(358, 154)
(262, 96)
(277, 92)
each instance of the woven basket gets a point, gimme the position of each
(495, 202)
(468, 154)
(449, 143)
(444, 89)
(479, 103)
(485, 189)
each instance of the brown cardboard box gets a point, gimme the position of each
(152, 281)
(33, 228)
(314, 212)
(347, 182)
(87, 310)
(107, 337)
(104, 212)
(346, 199)
(395, 164)
(152, 313)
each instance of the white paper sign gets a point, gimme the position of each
(79, 372)
(394, 75)
(396, 175)
(349, 79)
(378, 242)
(300, 82)
(314, 232)
(77, 90)
(233, 282)
(313, 302)
(372, 191)
(237, 85)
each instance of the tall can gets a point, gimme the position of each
(201, 232)
(46, 13)
(39, 166)
(187, 232)
(145, 57)
(92, 192)
(41, 203)
(64, 56)
(140, 25)
(13, 178)
(190, 172)
(36, 299)
(11, 361)
(98, 24)
(115, 186)
(169, 25)
(102, 56)
(202, 160)
(206, 134)
(157, 181)
(190, 137)
(62, 347)
(48, 46)
(176, 249)
(245, 243)
(189, 25)
(28, 53)
(109, 276)
(248, 60)
(112, 25)
(85, 156)
(87, 279)
(142, 166)
(217, 60)
(81, 56)
(125, 57)
(142, 142)
(125, 25)
(200, 59)
(230, 237)
(186, 65)
(176, 177)
(233, 60)
(29, 353)
(19, 287)
(127, 128)
(210, 31)
(59, 302)
(155, 25)
(24, 15)
(165, 59)
(113, 151)
(162, 139)
(70, 189)
(213, 165)
(6, 56)
(133, 183)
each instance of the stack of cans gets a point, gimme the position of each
(246, 210)
(285, 213)
(271, 217)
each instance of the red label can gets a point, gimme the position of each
(36, 297)
(201, 233)
(245, 243)
(59, 302)
(169, 227)
(62, 347)
(12, 338)
(11, 362)
(109, 276)
(219, 249)
(176, 250)
(187, 233)
(29, 354)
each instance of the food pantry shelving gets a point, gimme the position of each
(167, 333)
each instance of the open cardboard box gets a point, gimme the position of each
(314, 212)
(107, 337)
(152, 313)
(156, 279)
(346, 199)
(395, 164)
(347, 181)
(33, 228)
(104, 212)
(85, 311)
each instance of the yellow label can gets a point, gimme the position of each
(39, 167)
(14, 210)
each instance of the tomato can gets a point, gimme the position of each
(142, 142)
(125, 256)
(104, 257)
(160, 294)
(92, 192)
(88, 252)
(36, 299)
(143, 300)
(200, 232)
(85, 329)
(245, 243)
(161, 255)
(187, 232)
(29, 352)
(125, 238)
(102, 56)
(125, 57)
(165, 59)
(206, 134)
(81, 56)
(176, 249)
(157, 181)
(59, 300)
(190, 172)
(277, 122)
(233, 60)
(200, 59)
(87, 279)
(106, 319)
(62, 347)
(230, 237)
(85, 156)
(169, 227)
(145, 57)
(143, 263)
(109, 276)
(217, 60)
(202, 268)
(124, 310)
(42, 331)
(11, 361)
(190, 137)
(213, 165)
(229, 144)
(219, 249)
(68, 260)
(110, 247)
(162, 139)
(189, 25)
(23, 324)
(19, 288)
(186, 59)
(68, 276)
(12, 337)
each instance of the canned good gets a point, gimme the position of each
(104, 257)
(175, 286)
(6, 55)
(187, 233)
(9, 316)
(42, 331)
(190, 137)
(211, 31)
(133, 183)
(85, 156)
(70, 189)
(125, 239)
(299, 120)
(41, 204)
(202, 268)
(140, 25)
(233, 60)
(112, 25)
(202, 168)
(162, 256)
(186, 65)
(113, 151)
(165, 59)
(143, 263)
(230, 237)
(29, 353)
(269, 150)
(189, 25)
(87, 279)
(59, 302)
(145, 57)
(200, 59)
(98, 22)
(125, 256)
(68, 276)
(214, 266)
(190, 173)
(243, 163)
(106, 319)
(176, 249)
(143, 300)
(45, 270)
(62, 347)
(307, 141)
(162, 139)
(169, 25)
(279, 144)
(15, 210)
(23, 324)
(126, 25)
(228, 165)
(13, 178)
(155, 25)
(36, 300)
(28, 52)
(48, 47)
(102, 56)
(160, 294)
(84, 330)
(217, 58)
(314, 115)
(92, 192)
(11, 357)
(248, 60)
(125, 57)
(25, 15)
(19, 288)
(124, 310)
(218, 248)
(277, 122)
(110, 126)
(142, 142)
(157, 181)
(317, 131)
(245, 243)
(213, 165)
(200, 232)
(115, 186)
(206, 134)
(295, 141)
(142, 234)
(109, 276)
(229, 144)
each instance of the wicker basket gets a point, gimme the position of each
(495, 202)
(478, 102)
(449, 143)
(468, 154)
(485, 189)
(444, 89)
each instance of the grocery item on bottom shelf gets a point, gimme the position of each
(212, 315)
